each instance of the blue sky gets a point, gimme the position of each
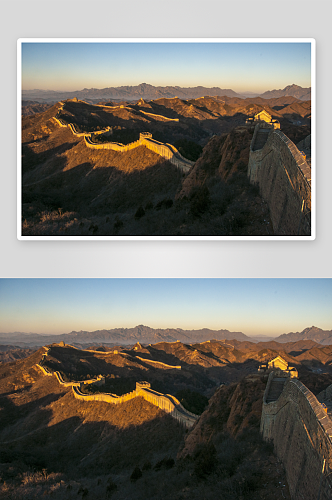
(253, 306)
(255, 67)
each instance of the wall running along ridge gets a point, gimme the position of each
(159, 363)
(284, 180)
(301, 434)
(167, 151)
(166, 402)
(46, 371)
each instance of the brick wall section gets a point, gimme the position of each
(159, 117)
(301, 433)
(284, 179)
(167, 151)
(100, 380)
(159, 363)
(166, 402)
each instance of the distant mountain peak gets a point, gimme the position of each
(290, 90)
(310, 333)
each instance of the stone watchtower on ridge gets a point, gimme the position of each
(142, 385)
(145, 135)
(263, 117)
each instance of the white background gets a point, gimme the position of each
(159, 18)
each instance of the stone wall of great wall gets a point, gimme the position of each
(284, 180)
(301, 434)
(166, 402)
(167, 151)
(100, 380)
(159, 363)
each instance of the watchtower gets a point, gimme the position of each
(145, 135)
(142, 385)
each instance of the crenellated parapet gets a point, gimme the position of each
(284, 179)
(301, 432)
(167, 151)
(166, 402)
(99, 380)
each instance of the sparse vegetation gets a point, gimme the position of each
(104, 193)
(54, 446)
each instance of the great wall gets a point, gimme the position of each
(284, 179)
(166, 402)
(275, 164)
(167, 151)
(301, 432)
(293, 420)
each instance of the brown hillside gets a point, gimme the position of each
(55, 446)
(71, 190)
(225, 443)
(11, 353)
(37, 413)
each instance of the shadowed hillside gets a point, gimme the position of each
(55, 446)
(72, 190)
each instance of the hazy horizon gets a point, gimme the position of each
(253, 306)
(133, 326)
(146, 83)
(260, 66)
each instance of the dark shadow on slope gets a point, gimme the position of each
(94, 448)
(32, 160)
(11, 414)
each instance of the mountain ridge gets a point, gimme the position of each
(147, 91)
(291, 90)
(139, 333)
(310, 333)
(145, 334)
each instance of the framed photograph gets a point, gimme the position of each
(166, 388)
(166, 139)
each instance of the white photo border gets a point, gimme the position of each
(21, 41)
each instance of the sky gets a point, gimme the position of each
(254, 67)
(252, 306)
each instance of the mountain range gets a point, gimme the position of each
(145, 334)
(311, 333)
(147, 91)
(140, 333)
